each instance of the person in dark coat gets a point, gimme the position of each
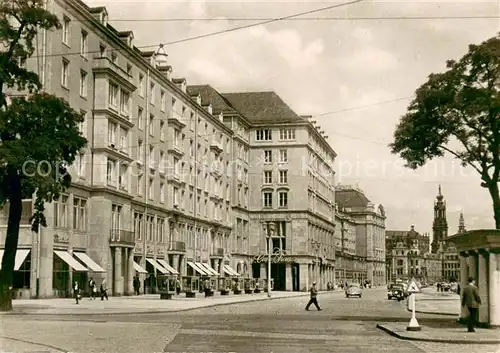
(314, 299)
(471, 300)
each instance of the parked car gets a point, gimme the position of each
(353, 290)
(395, 291)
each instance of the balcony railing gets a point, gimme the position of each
(217, 252)
(177, 246)
(121, 237)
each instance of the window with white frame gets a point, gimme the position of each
(177, 134)
(268, 177)
(123, 177)
(84, 44)
(66, 24)
(116, 218)
(124, 140)
(83, 84)
(151, 189)
(283, 198)
(138, 224)
(140, 184)
(263, 135)
(61, 212)
(267, 199)
(287, 134)
(162, 192)
(150, 225)
(283, 177)
(111, 167)
(192, 121)
(140, 151)
(80, 164)
(151, 157)
(152, 93)
(176, 197)
(161, 165)
(151, 125)
(268, 156)
(162, 100)
(65, 73)
(113, 95)
(160, 233)
(79, 213)
(283, 156)
(162, 131)
(82, 125)
(112, 131)
(140, 118)
(124, 102)
(141, 85)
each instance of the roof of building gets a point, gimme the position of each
(210, 95)
(351, 198)
(262, 107)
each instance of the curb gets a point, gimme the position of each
(434, 340)
(433, 313)
(150, 311)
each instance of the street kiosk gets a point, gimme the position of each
(190, 285)
(238, 285)
(225, 285)
(249, 285)
(166, 287)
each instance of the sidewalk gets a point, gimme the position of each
(429, 301)
(138, 304)
(458, 335)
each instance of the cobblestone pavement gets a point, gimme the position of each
(345, 325)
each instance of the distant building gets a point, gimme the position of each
(369, 221)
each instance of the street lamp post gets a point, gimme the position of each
(269, 228)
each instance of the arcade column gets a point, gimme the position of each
(131, 271)
(482, 277)
(117, 278)
(494, 288)
(464, 313)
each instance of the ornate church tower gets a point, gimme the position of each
(440, 225)
(461, 224)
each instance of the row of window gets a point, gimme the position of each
(63, 218)
(267, 135)
(282, 177)
(267, 199)
(151, 227)
(267, 156)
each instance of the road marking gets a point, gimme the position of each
(257, 334)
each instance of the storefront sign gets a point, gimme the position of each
(277, 257)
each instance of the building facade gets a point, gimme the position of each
(175, 179)
(369, 222)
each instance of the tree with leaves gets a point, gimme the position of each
(39, 135)
(458, 112)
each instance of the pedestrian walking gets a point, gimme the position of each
(104, 289)
(137, 285)
(76, 291)
(471, 300)
(314, 297)
(178, 286)
(206, 287)
(92, 289)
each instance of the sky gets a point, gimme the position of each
(355, 76)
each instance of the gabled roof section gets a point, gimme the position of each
(210, 96)
(262, 107)
(351, 198)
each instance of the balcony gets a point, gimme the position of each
(216, 146)
(177, 246)
(176, 120)
(104, 66)
(217, 252)
(119, 237)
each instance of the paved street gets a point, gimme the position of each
(345, 325)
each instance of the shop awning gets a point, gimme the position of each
(209, 269)
(91, 264)
(138, 268)
(70, 260)
(21, 255)
(229, 270)
(167, 266)
(197, 268)
(157, 266)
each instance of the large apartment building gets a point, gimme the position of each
(175, 179)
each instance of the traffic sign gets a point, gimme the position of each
(413, 287)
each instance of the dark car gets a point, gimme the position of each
(395, 290)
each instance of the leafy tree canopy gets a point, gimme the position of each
(458, 112)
